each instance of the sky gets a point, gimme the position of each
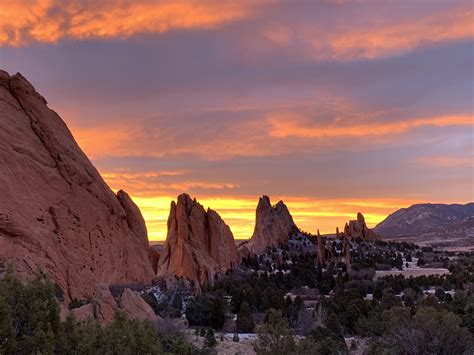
(334, 106)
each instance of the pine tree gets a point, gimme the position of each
(275, 337)
(245, 323)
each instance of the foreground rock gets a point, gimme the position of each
(199, 245)
(103, 306)
(358, 229)
(273, 225)
(56, 212)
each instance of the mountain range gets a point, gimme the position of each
(436, 225)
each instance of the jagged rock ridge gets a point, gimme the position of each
(273, 225)
(199, 245)
(56, 212)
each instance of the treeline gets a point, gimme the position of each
(30, 324)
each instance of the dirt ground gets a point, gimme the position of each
(227, 346)
(412, 270)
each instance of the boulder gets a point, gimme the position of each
(103, 306)
(199, 246)
(56, 213)
(84, 312)
(135, 307)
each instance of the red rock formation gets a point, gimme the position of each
(273, 225)
(154, 257)
(56, 212)
(358, 229)
(199, 245)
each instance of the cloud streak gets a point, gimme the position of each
(393, 39)
(267, 135)
(48, 21)
(288, 127)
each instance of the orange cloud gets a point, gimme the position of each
(447, 161)
(251, 138)
(146, 184)
(51, 20)
(392, 39)
(373, 37)
(282, 127)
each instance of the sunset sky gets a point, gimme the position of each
(334, 106)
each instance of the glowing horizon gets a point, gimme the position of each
(239, 212)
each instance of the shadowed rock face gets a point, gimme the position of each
(358, 229)
(199, 245)
(273, 225)
(56, 212)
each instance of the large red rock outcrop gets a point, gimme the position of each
(56, 212)
(273, 225)
(358, 229)
(199, 245)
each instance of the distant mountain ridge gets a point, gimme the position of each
(439, 225)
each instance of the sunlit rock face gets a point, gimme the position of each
(56, 212)
(358, 229)
(273, 225)
(199, 246)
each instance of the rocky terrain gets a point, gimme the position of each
(199, 245)
(273, 226)
(436, 225)
(56, 212)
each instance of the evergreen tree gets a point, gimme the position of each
(275, 337)
(33, 312)
(217, 316)
(7, 332)
(244, 322)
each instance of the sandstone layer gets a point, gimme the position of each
(199, 245)
(273, 226)
(56, 212)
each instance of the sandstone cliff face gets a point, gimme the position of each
(358, 229)
(56, 212)
(199, 245)
(273, 225)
